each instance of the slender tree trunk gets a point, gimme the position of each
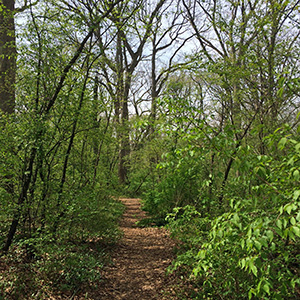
(119, 79)
(66, 159)
(121, 110)
(125, 142)
(154, 93)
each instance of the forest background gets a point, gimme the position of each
(191, 105)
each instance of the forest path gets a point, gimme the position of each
(139, 260)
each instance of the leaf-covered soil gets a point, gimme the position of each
(137, 268)
(139, 261)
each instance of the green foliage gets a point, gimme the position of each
(44, 265)
(61, 267)
(252, 250)
(69, 267)
(179, 184)
(186, 224)
(206, 160)
(95, 217)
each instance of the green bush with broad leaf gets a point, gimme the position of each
(252, 250)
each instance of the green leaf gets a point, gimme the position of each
(257, 245)
(279, 224)
(263, 241)
(282, 143)
(201, 254)
(266, 288)
(289, 209)
(243, 263)
(253, 268)
(281, 210)
(273, 246)
(249, 243)
(256, 232)
(243, 244)
(261, 171)
(270, 235)
(250, 293)
(291, 161)
(296, 230)
(196, 271)
(293, 221)
(249, 233)
(296, 174)
(296, 194)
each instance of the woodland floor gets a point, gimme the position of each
(139, 261)
(137, 269)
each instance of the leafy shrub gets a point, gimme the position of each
(72, 259)
(243, 253)
(253, 249)
(68, 266)
(179, 184)
(94, 217)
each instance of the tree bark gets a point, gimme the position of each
(8, 56)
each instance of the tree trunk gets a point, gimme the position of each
(125, 141)
(7, 56)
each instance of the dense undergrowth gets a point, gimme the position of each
(239, 240)
(47, 266)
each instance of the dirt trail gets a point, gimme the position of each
(139, 261)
